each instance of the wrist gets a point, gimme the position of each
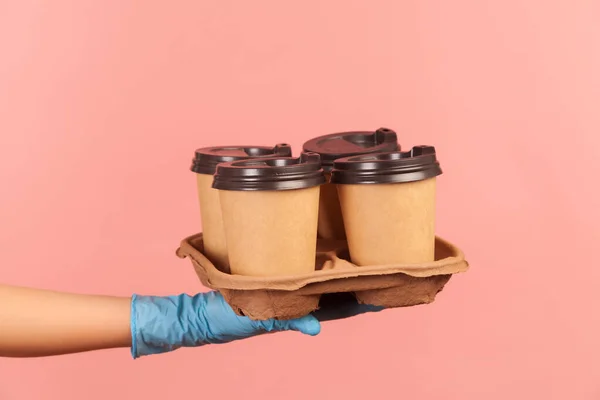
(161, 324)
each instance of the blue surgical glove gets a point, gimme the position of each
(162, 324)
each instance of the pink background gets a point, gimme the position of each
(103, 102)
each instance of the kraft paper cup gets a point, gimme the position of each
(215, 243)
(331, 222)
(388, 203)
(271, 233)
(204, 165)
(339, 145)
(270, 213)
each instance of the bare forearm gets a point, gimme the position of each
(37, 322)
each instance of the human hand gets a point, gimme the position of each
(163, 324)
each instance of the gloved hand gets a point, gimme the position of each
(163, 324)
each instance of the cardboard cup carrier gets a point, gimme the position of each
(293, 296)
(388, 205)
(204, 165)
(338, 145)
(270, 208)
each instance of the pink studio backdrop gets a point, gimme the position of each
(103, 102)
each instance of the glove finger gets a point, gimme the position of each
(307, 325)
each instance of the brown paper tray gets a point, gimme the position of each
(289, 297)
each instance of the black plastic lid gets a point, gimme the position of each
(277, 173)
(207, 158)
(417, 164)
(346, 144)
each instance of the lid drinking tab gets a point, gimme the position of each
(417, 164)
(206, 159)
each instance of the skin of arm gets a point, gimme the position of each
(36, 322)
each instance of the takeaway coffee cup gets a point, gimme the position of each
(270, 209)
(204, 165)
(388, 205)
(339, 145)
